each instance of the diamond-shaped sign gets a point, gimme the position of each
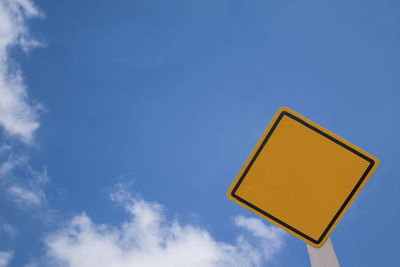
(301, 177)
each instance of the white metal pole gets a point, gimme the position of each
(324, 256)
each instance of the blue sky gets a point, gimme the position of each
(107, 108)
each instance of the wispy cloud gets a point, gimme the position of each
(8, 229)
(24, 196)
(9, 165)
(5, 258)
(18, 113)
(25, 187)
(148, 239)
(269, 239)
(18, 116)
(4, 148)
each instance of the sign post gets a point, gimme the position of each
(302, 178)
(324, 256)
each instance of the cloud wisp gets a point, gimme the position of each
(25, 184)
(8, 229)
(148, 239)
(18, 116)
(5, 258)
(25, 196)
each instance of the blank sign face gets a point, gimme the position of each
(302, 177)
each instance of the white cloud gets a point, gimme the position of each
(25, 196)
(4, 148)
(147, 239)
(5, 258)
(17, 115)
(8, 229)
(268, 238)
(7, 167)
(27, 187)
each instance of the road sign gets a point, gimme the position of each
(301, 177)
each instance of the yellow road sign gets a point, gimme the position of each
(301, 177)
